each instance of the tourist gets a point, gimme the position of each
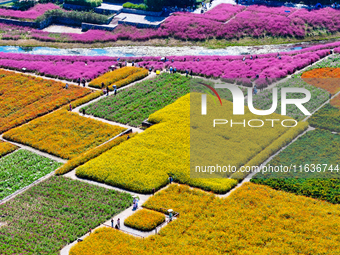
(170, 216)
(175, 70)
(251, 57)
(172, 60)
(191, 73)
(133, 63)
(118, 224)
(114, 89)
(83, 110)
(185, 59)
(171, 69)
(70, 107)
(112, 223)
(170, 179)
(78, 81)
(90, 231)
(150, 69)
(186, 72)
(244, 58)
(66, 86)
(107, 91)
(103, 85)
(84, 82)
(128, 137)
(330, 96)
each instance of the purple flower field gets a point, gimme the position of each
(225, 21)
(263, 69)
(30, 14)
(64, 67)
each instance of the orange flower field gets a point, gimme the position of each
(6, 148)
(326, 78)
(23, 98)
(64, 134)
(254, 219)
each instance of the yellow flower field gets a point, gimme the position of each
(145, 220)
(120, 77)
(147, 160)
(6, 148)
(23, 98)
(254, 219)
(64, 134)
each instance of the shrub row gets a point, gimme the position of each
(88, 155)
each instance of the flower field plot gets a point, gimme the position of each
(145, 220)
(23, 98)
(63, 67)
(144, 162)
(54, 213)
(316, 147)
(120, 77)
(264, 100)
(63, 134)
(268, 67)
(6, 148)
(328, 117)
(253, 220)
(22, 168)
(147, 160)
(30, 14)
(327, 78)
(135, 104)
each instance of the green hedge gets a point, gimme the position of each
(88, 17)
(135, 6)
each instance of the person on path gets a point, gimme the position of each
(170, 179)
(103, 85)
(170, 69)
(90, 231)
(83, 110)
(78, 81)
(66, 86)
(150, 69)
(84, 82)
(170, 216)
(107, 91)
(115, 91)
(118, 223)
(112, 223)
(70, 106)
(186, 72)
(128, 137)
(330, 95)
(191, 73)
(175, 70)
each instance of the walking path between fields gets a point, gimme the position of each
(134, 129)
